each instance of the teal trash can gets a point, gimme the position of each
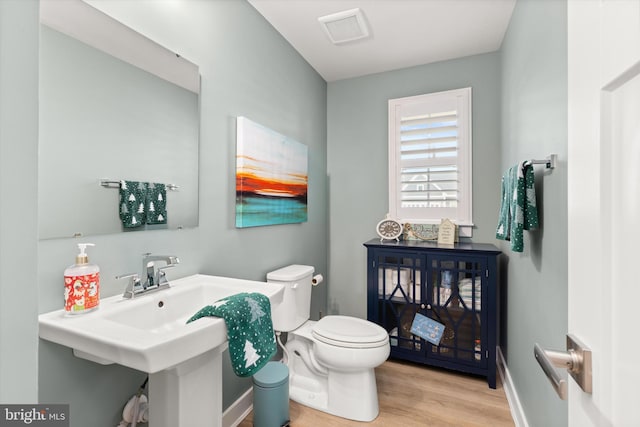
(271, 396)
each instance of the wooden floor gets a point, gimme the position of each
(413, 395)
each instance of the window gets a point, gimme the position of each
(430, 158)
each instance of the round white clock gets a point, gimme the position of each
(389, 229)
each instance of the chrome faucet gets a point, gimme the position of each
(154, 277)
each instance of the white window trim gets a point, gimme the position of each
(465, 210)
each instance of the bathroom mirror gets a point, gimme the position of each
(114, 105)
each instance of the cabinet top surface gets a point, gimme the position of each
(433, 246)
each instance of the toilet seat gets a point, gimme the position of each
(349, 332)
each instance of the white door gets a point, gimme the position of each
(604, 207)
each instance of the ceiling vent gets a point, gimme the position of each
(346, 26)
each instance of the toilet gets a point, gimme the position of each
(332, 360)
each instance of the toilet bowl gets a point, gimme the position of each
(332, 360)
(334, 372)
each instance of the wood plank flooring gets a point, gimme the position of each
(415, 396)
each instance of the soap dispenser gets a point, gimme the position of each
(81, 284)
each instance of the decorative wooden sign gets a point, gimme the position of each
(447, 232)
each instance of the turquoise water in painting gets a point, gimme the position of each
(258, 211)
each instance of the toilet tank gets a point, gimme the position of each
(294, 309)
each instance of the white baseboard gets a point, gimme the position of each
(517, 413)
(238, 410)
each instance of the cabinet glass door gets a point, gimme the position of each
(456, 297)
(399, 284)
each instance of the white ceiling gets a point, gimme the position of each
(403, 33)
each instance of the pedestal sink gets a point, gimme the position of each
(149, 333)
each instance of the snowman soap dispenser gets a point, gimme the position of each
(81, 284)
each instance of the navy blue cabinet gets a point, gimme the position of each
(456, 286)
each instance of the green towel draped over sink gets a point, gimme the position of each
(252, 342)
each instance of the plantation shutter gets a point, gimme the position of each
(428, 160)
(430, 157)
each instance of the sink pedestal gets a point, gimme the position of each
(189, 394)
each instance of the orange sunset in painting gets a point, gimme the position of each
(248, 183)
(271, 177)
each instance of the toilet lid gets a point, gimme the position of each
(351, 332)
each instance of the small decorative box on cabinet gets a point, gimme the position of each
(454, 285)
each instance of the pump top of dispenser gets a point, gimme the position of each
(82, 257)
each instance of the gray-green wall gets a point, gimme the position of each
(357, 165)
(18, 200)
(534, 125)
(247, 69)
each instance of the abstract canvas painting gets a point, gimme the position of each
(271, 177)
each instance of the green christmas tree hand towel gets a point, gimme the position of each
(518, 211)
(156, 203)
(133, 211)
(252, 342)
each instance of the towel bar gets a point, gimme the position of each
(549, 162)
(110, 183)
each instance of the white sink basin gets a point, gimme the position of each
(149, 333)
